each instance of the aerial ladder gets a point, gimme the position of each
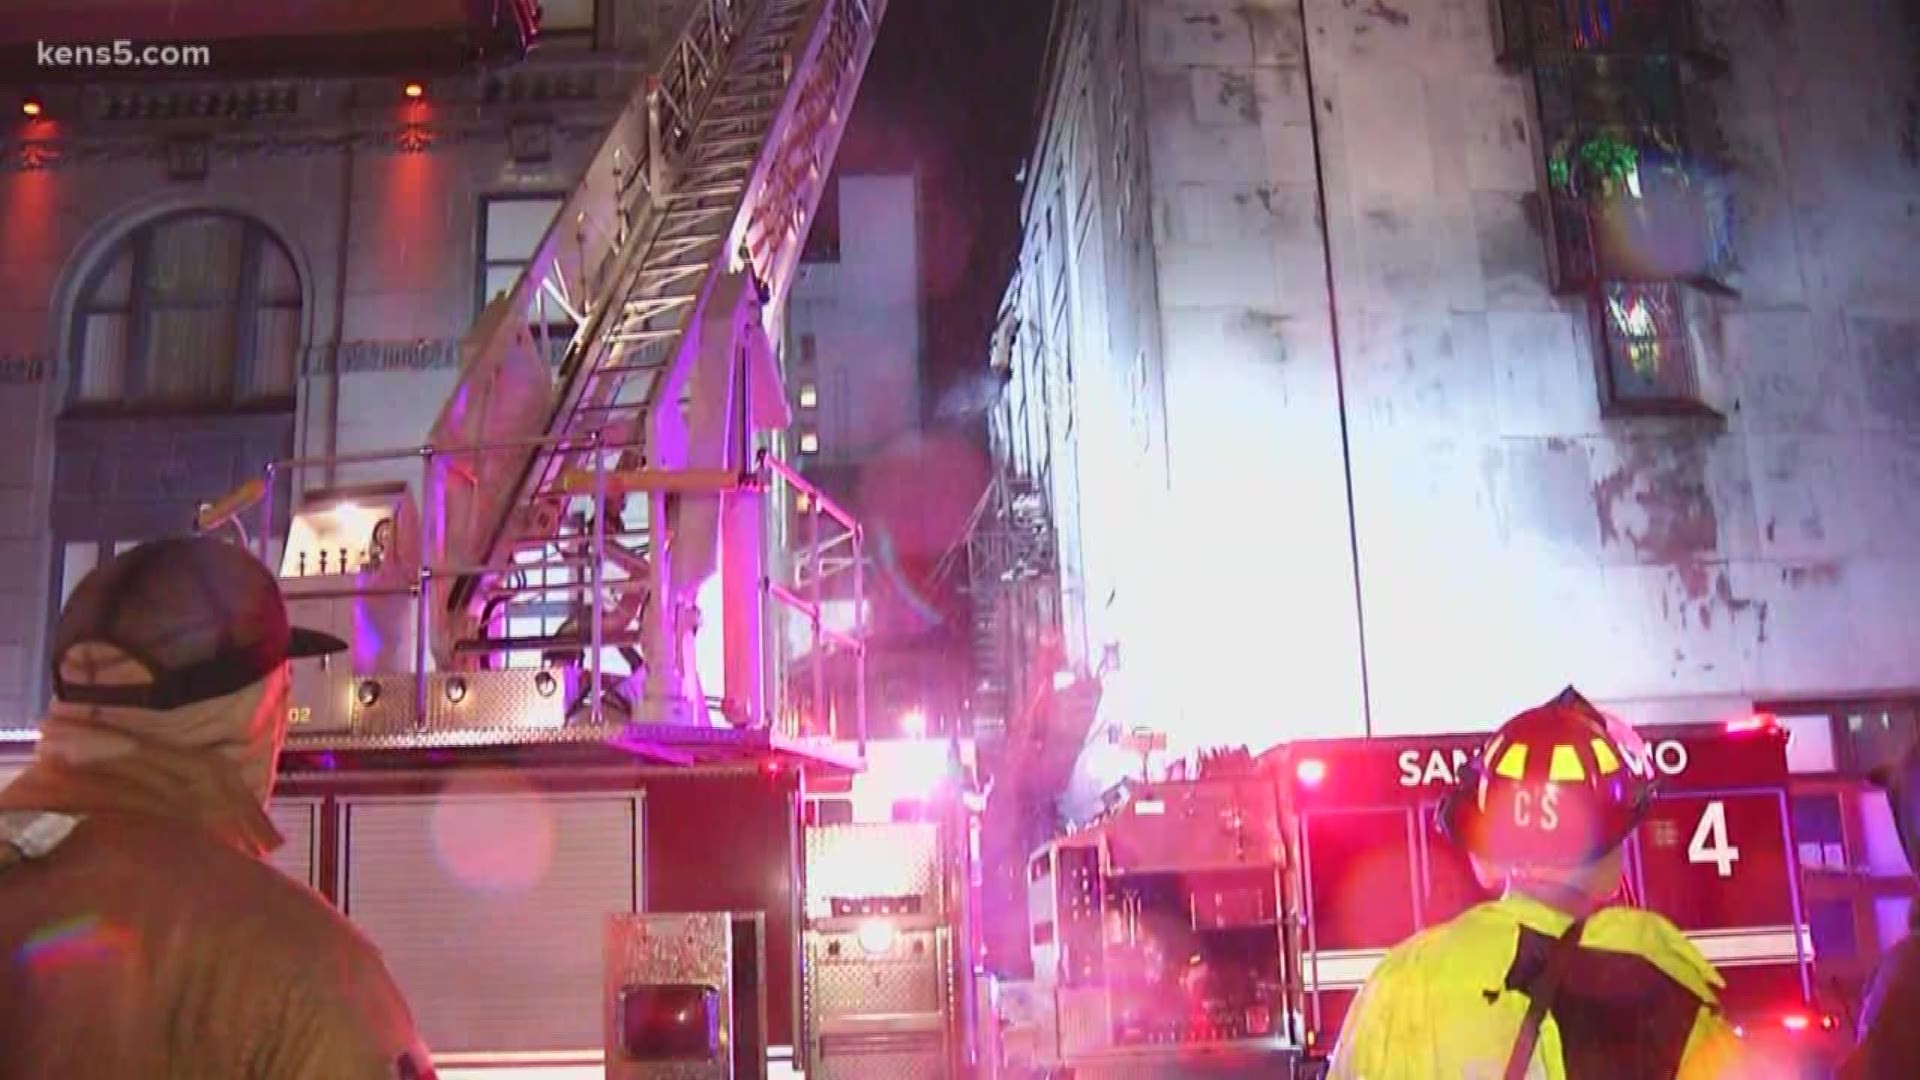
(670, 260)
(635, 481)
(631, 480)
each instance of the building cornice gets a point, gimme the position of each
(234, 121)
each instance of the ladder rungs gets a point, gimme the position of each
(617, 407)
(628, 369)
(752, 116)
(730, 142)
(697, 211)
(710, 191)
(673, 270)
(641, 337)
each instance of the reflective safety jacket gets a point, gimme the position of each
(1637, 1002)
(140, 937)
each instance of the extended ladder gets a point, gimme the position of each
(688, 225)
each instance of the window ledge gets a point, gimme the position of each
(104, 413)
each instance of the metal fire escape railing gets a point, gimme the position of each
(1012, 582)
(710, 176)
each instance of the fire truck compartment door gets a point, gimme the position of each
(476, 899)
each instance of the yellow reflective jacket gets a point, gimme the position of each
(1443, 1005)
(142, 937)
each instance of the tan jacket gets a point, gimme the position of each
(153, 943)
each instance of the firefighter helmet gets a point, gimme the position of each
(1557, 785)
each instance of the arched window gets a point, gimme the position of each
(192, 312)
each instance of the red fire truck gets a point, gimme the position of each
(1287, 882)
(1715, 855)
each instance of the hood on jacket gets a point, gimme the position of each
(211, 762)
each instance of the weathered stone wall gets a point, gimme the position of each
(1511, 539)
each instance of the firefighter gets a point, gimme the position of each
(1552, 980)
(1889, 1037)
(142, 934)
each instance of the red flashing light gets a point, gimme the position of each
(415, 91)
(32, 107)
(1796, 1021)
(1310, 771)
(1747, 725)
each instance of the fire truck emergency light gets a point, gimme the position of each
(1749, 724)
(32, 107)
(1310, 771)
(414, 91)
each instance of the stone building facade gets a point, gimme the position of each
(1229, 406)
(202, 274)
(1384, 367)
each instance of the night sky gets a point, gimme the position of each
(950, 95)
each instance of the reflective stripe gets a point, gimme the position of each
(1752, 946)
(1343, 970)
(35, 833)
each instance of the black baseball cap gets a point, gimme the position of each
(174, 622)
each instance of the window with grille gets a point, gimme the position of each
(511, 228)
(191, 312)
(1635, 216)
(1629, 198)
(1647, 360)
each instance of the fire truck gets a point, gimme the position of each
(592, 774)
(1220, 924)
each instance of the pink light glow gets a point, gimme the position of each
(1750, 724)
(1311, 771)
(496, 838)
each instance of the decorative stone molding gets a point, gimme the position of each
(533, 109)
(27, 156)
(232, 101)
(361, 357)
(22, 369)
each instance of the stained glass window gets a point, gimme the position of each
(1628, 197)
(1540, 28)
(1643, 332)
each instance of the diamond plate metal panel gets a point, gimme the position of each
(514, 704)
(693, 950)
(889, 1065)
(851, 984)
(868, 860)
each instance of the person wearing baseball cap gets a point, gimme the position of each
(142, 934)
